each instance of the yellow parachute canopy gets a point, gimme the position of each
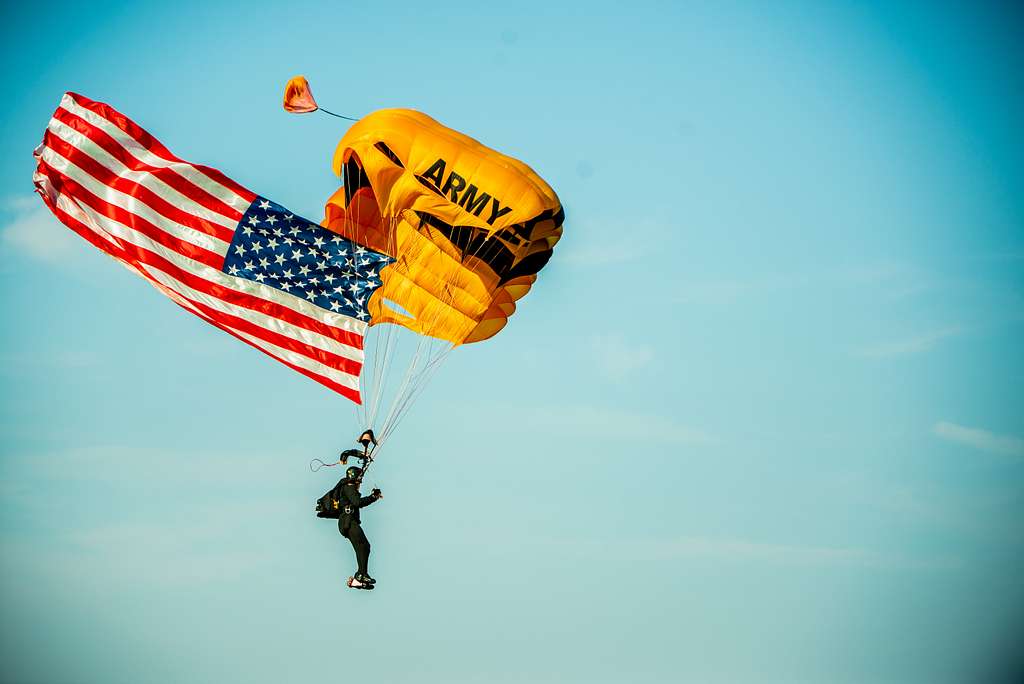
(469, 227)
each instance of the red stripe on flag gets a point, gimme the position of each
(84, 231)
(136, 190)
(123, 255)
(168, 175)
(329, 359)
(241, 299)
(346, 392)
(72, 189)
(146, 140)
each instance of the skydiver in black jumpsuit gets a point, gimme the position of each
(347, 493)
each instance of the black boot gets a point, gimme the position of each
(365, 579)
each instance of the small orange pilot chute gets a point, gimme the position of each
(298, 98)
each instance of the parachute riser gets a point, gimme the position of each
(370, 444)
(367, 462)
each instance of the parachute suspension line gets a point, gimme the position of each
(386, 353)
(384, 349)
(418, 374)
(432, 352)
(422, 379)
(424, 361)
(375, 339)
(418, 377)
(351, 227)
(382, 339)
(414, 375)
(434, 358)
(392, 337)
(487, 248)
(428, 356)
(346, 118)
(426, 375)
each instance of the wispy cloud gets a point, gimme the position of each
(980, 439)
(715, 292)
(139, 544)
(744, 549)
(594, 423)
(752, 552)
(886, 273)
(616, 357)
(182, 552)
(22, 203)
(597, 422)
(119, 463)
(63, 359)
(598, 255)
(1009, 256)
(31, 229)
(892, 279)
(599, 243)
(728, 290)
(911, 345)
(152, 553)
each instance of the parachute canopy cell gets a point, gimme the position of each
(469, 227)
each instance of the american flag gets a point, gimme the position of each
(276, 281)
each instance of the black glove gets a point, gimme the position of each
(376, 493)
(349, 453)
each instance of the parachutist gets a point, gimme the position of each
(346, 492)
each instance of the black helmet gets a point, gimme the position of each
(354, 472)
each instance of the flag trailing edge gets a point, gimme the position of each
(274, 280)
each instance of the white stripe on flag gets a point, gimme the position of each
(340, 377)
(133, 205)
(87, 215)
(144, 155)
(43, 180)
(302, 361)
(170, 287)
(276, 325)
(146, 179)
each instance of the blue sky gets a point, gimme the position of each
(760, 419)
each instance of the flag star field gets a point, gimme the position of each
(276, 248)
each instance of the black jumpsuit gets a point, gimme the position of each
(348, 522)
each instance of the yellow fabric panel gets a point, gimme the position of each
(485, 330)
(468, 226)
(518, 287)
